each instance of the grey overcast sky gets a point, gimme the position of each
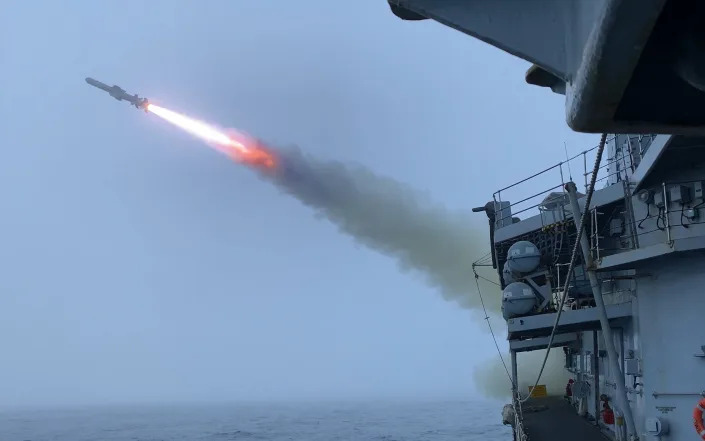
(137, 265)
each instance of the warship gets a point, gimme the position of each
(607, 269)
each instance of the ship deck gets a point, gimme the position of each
(554, 419)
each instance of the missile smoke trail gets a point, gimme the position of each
(379, 212)
(492, 380)
(389, 217)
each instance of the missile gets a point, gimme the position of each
(119, 94)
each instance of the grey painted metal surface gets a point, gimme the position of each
(529, 21)
(603, 55)
(650, 159)
(652, 290)
(658, 250)
(664, 345)
(533, 344)
(558, 421)
(519, 228)
(540, 325)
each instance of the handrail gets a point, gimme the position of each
(524, 200)
(530, 177)
(584, 152)
(617, 166)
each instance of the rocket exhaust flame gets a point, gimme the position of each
(195, 127)
(236, 145)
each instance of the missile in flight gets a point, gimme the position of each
(119, 94)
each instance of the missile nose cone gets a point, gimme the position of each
(95, 83)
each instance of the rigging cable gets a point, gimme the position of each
(583, 219)
(567, 160)
(489, 325)
(486, 280)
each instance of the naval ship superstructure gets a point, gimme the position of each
(601, 257)
(638, 267)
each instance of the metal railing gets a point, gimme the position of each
(519, 433)
(618, 166)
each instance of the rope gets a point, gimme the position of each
(477, 276)
(489, 325)
(484, 260)
(581, 228)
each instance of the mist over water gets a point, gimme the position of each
(272, 421)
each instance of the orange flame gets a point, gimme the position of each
(236, 145)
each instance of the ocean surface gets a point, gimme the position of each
(382, 421)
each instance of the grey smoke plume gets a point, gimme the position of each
(392, 218)
(493, 381)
